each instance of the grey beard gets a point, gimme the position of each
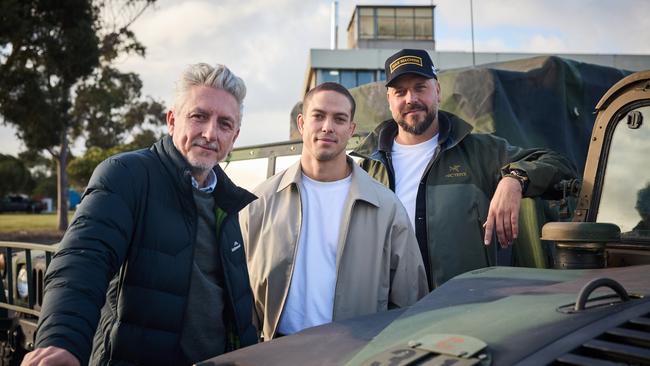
(200, 168)
(420, 127)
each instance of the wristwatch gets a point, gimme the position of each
(519, 175)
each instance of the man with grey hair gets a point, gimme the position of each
(152, 263)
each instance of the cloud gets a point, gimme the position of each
(9, 143)
(545, 44)
(587, 26)
(267, 42)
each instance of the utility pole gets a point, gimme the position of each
(334, 25)
(471, 14)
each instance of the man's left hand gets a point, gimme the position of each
(503, 215)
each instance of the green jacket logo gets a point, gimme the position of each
(455, 171)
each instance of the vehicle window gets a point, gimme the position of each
(246, 173)
(283, 162)
(625, 197)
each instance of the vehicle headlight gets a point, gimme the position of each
(21, 283)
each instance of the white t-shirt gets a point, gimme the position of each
(310, 301)
(409, 162)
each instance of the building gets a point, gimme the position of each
(376, 32)
(391, 27)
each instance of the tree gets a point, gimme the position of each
(111, 106)
(81, 168)
(44, 186)
(55, 73)
(14, 176)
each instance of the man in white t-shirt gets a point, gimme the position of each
(325, 241)
(458, 187)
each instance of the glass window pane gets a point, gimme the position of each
(365, 77)
(326, 75)
(386, 12)
(386, 27)
(246, 173)
(366, 27)
(404, 28)
(404, 12)
(348, 79)
(382, 75)
(423, 28)
(625, 198)
(423, 12)
(366, 11)
(283, 162)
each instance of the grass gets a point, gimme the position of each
(11, 222)
(30, 228)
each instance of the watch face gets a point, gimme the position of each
(520, 176)
(518, 173)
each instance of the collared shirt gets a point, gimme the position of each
(211, 182)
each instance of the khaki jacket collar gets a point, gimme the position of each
(293, 176)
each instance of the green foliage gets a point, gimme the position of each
(144, 139)
(43, 171)
(45, 186)
(111, 106)
(56, 78)
(80, 169)
(46, 49)
(14, 176)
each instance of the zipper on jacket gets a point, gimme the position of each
(193, 229)
(391, 171)
(423, 182)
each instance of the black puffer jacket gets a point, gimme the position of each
(129, 252)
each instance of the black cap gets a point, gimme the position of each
(409, 61)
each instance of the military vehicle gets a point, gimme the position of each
(498, 315)
(21, 297)
(592, 309)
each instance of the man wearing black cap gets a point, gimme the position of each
(458, 188)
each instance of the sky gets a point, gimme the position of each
(267, 43)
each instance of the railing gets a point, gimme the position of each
(34, 288)
(277, 149)
(35, 283)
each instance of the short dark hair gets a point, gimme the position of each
(330, 86)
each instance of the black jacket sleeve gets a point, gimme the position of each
(89, 255)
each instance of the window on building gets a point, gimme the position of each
(348, 78)
(326, 75)
(395, 23)
(423, 24)
(365, 77)
(404, 23)
(385, 23)
(366, 23)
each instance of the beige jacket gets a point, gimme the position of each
(378, 261)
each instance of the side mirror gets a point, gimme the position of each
(580, 245)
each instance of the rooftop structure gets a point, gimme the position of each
(376, 32)
(392, 27)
